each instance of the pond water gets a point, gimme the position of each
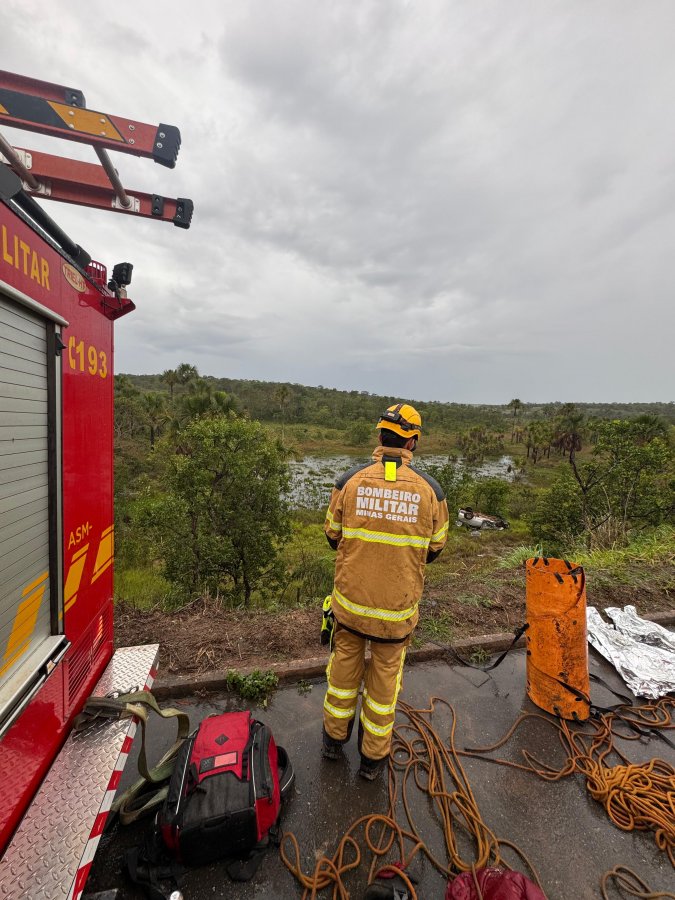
(312, 478)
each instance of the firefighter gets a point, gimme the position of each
(386, 520)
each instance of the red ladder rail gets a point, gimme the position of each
(87, 184)
(60, 111)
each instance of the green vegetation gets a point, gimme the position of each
(327, 408)
(145, 589)
(438, 627)
(257, 686)
(651, 547)
(220, 520)
(308, 566)
(627, 484)
(304, 687)
(202, 490)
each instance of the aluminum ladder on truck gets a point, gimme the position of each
(52, 850)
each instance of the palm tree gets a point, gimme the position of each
(537, 435)
(283, 397)
(515, 405)
(568, 432)
(155, 414)
(651, 427)
(170, 377)
(202, 401)
(186, 373)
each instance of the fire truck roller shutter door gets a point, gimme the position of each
(25, 612)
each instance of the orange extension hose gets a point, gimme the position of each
(419, 755)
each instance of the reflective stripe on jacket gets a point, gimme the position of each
(385, 516)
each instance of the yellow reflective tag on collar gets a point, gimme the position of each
(390, 471)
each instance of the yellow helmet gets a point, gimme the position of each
(403, 419)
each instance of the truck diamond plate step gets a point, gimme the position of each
(51, 853)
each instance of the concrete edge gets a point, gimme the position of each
(315, 667)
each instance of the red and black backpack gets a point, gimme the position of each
(224, 801)
(225, 794)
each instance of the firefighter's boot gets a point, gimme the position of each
(330, 748)
(371, 768)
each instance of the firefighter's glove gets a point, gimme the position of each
(389, 886)
(327, 622)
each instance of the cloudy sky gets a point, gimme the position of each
(440, 199)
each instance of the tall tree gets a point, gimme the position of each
(170, 377)
(155, 413)
(202, 400)
(625, 484)
(223, 516)
(568, 431)
(186, 373)
(515, 405)
(283, 397)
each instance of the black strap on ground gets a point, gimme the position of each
(596, 679)
(245, 869)
(519, 632)
(593, 709)
(626, 703)
(152, 868)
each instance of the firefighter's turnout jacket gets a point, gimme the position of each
(385, 517)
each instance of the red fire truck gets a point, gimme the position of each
(57, 309)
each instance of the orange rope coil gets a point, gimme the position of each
(418, 755)
(635, 796)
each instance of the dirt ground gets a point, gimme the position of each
(205, 637)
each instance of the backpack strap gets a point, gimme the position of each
(245, 869)
(149, 791)
(151, 867)
(287, 776)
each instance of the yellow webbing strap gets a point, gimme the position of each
(137, 800)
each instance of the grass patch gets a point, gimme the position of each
(479, 656)
(144, 588)
(654, 548)
(438, 628)
(474, 600)
(309, 564)
(416, 641)
(437, 574)
(518, 556)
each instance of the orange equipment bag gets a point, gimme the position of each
(557, 648)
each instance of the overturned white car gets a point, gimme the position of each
(478, 521)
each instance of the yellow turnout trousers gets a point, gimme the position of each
(382, 679)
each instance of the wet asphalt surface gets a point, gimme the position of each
(563, 831)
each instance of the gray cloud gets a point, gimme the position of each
(464, 201)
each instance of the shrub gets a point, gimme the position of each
(222, 518)
(257, 686)
(309, 565)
